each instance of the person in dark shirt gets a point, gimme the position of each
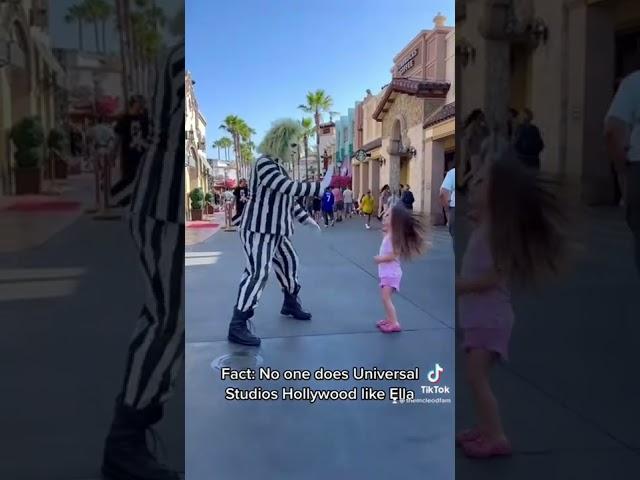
(407, 197)
(528, 142)
(328, 201)
(241, 192)
(133, 131)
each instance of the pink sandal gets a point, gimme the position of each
(381, 322)
(390, 328)
(483, 448)
(469, 435)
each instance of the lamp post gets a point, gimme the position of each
(295, 145)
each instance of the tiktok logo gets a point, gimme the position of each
(435, 374)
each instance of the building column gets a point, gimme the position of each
(355, 180)
(597, 175)
(433, 168)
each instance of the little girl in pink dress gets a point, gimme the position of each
(403, 239)
(517, 238)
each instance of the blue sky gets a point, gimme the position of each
(258, 58)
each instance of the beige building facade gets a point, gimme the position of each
(561, 59)
(419, 98)
(29, 75)
(198, 172)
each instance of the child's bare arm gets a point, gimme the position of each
(385, 258)
(477, 285)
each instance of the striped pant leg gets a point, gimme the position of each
(285, 264)
(259, 249)
(156, 351)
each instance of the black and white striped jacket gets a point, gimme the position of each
(272, 201)
(158, 191)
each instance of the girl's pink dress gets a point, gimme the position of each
(389, 273)
(486, 318)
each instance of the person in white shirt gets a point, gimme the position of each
(622, 134)
(229, 201)
(448, 198)
(347, 197)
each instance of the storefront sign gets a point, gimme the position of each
(408, 63)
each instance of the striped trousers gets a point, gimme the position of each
(261, 251)
(156, 351)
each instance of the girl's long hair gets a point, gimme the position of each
(527, 222)
(408, 233)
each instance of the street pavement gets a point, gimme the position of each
(233, 440)
(568, 395)
(68, 304)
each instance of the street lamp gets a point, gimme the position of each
(295, 145)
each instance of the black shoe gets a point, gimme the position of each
(239, 330)
(291, 306)
(126, 454)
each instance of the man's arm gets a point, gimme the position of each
(618, 122)
(269, 175)
(300, 213)
(616, 134)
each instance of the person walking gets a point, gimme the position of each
(266, 228)
(317, 208)
(229, 200)
(403, 239)
(339, 203)
(328, 205)
(156, 351)
(528, 142)
(385, 195)
(367, 205)
(407, 197)
(347, 196)
(622, 135)
(448, 199)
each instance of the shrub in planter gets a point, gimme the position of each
(57, 142)
(28, 138)
(208, 200)
(197, 202)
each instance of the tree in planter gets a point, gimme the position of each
(197, 202)
(27, 136)
(208, 200)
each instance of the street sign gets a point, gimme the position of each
(361, 155)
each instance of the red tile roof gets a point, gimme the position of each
(416, 88)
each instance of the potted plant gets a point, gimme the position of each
(28, 138)
(197, 202)
(57, 143)
(208, 200)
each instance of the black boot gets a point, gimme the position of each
(291, 306)
(239, 331)
(126, 455)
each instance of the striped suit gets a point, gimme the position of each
(266, 226)
(156, 351)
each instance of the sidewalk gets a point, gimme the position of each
(294, 439)
(569, 394)
(69, 304)
(28, 221)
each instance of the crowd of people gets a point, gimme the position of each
(338, 204)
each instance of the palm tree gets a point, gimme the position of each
(239, 131)
(226, 144)
(105, 10)
(216, 144)
(306, 131)
(277, 141)
(333, 114)
(247, 156)
(93, 10)
(76, 13)
(317, 103)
